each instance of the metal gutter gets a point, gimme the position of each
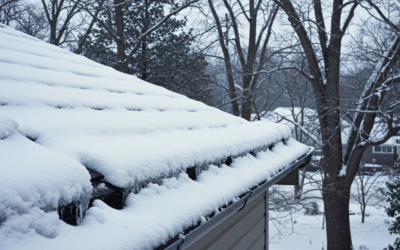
(186, 240)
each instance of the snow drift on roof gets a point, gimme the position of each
(7, 126)
(127, 129)
(65, 112)
(33, 180)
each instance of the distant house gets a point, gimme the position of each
(375, 158)
(91, 158)
(306, 118)
(291, 117)
(384, 155)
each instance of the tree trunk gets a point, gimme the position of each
(298, 189)
(231, 84)
(336, 202)
(119, 22)
(144, 43)
(52, 39)
(248, 77)
(247, 97)
(337, 184)
(297, 192)
(336, 191)
(364, 205)
(144, 62)
(362, 214)
(228, 66)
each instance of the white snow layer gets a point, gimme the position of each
(7, 126)
(159, 212)
(33, 181)
(125, 128)
(60, 112)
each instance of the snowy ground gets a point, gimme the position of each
(301, 231)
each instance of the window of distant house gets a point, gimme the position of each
(318, 152)
(383, 149)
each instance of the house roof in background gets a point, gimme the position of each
(310, 116)
(60, 112)
(394, 141)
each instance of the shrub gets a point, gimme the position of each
(312, 208)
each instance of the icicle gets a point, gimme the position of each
(77, 213)
(80, 213)
(62, 212)
(159, 180)
(81, 207)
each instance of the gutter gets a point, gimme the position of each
(186, 240)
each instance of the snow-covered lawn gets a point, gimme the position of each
(305, 231)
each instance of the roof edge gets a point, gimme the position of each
(188, 239)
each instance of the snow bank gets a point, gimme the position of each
(159, 212)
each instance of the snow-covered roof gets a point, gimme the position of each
(310, 116)
(393, 141)
(378, 132)
(61, 112)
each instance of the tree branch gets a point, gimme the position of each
(89, 29)
(323, 37)
(237, 35)
(390, 23)
(315, 139)
(349, 18)
(102, 23)
(305, 41)
(243, 10)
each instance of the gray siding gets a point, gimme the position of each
(385, 159)
(243, 230)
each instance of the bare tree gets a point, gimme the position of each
(32, 21)
(283, 205)
(324, 66)
(251, 52)
(9, 11)
(59, 14)
(297, 110)
(94, 9)
(367, 184)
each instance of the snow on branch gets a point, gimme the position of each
(394, 105)
(374, 90)
(287, 68)
(302, 129)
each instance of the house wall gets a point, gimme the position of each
(385, 159)
(246, 229)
